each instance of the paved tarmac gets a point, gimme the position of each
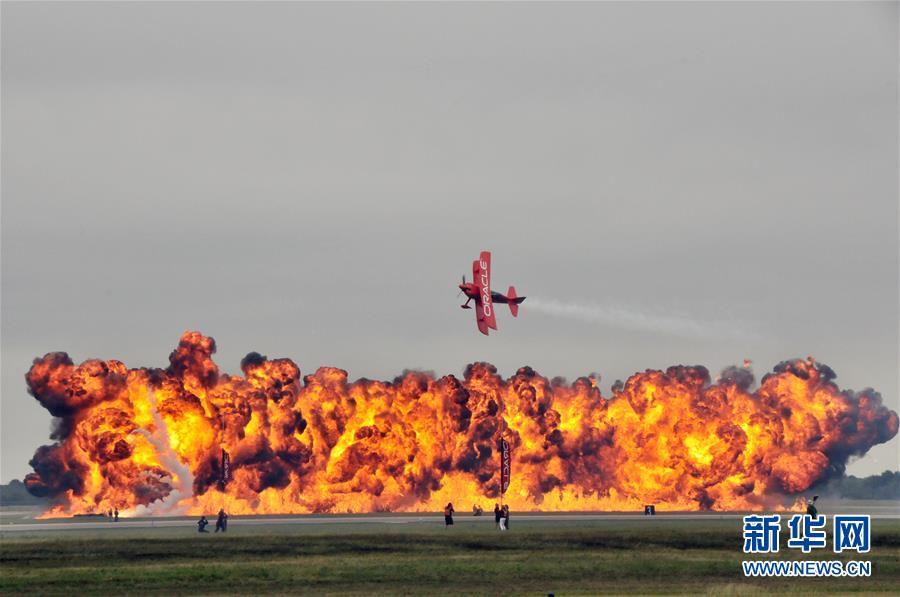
(90, 523)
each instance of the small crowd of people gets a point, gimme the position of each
(501, 518)
(501, 515)
(221, 522)
(114, 514)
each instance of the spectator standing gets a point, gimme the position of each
(811, 507)
(222, 521)
(448, 514)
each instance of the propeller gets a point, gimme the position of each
(460, 290)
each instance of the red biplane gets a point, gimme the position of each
(479, 290)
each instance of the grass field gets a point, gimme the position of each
(591, 557)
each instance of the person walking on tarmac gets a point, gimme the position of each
(222, 521)
(498, 514)
(448, 514)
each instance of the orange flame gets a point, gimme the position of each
(151, 440)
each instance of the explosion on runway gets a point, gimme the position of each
(155, 438)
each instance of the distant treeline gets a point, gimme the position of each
(885, 486)
(15, 494)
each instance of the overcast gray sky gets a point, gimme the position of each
(692, 183)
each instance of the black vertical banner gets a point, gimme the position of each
(226, 469)
(504, 465)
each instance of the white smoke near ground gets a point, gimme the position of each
(627, 318)
(181, 477)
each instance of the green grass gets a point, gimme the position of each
(642, 556)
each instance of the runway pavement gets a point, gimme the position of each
(105, 524)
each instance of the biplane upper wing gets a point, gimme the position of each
(485, 302)
(479, 313)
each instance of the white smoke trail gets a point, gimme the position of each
(626, 318)
(181, 473)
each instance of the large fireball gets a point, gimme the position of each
(154, 438)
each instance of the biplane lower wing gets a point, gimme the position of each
(479, 319)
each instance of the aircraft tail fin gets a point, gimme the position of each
(514, 301)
